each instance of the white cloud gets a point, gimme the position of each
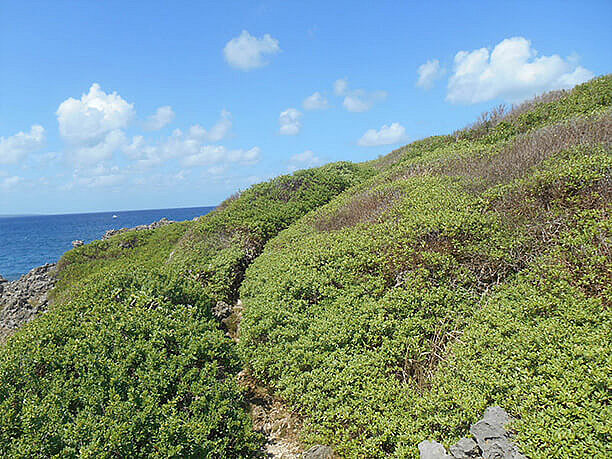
(92, 116)
(92, 125)
(340, 86)
(218, 154)
(428, 73)
(247, 52)
(162, 117)
(217, 170)
(102, 181)
(100, 151)
(512, 71)
(290, 122)
(145, 156)
(316, 101)
(387, 135)
(218, 132)
(190, 148)
(361, 101)
(16, 147)
(304, 160)
(357, 100)
(10, 182)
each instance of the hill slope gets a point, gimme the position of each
(475, 269)
(385, 303)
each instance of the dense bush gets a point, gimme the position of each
(132, 367)
(385, 303)
(217, 250)
(466, 273)
(129, 362)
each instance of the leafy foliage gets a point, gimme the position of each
(129, 362)
(468, 272)
(217, 250)
(386, 303)
(132, 367)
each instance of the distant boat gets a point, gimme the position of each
(114, 216)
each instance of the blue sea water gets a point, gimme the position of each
(31, 241)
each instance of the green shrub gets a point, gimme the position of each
(385, 303)
(132, 367)
(460, 276)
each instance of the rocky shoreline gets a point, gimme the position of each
(163, 222)
(23, 299)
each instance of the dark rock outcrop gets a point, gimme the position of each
(163, 222)
(25, 298)
(3, 282)
(466, 448)
(493, 441)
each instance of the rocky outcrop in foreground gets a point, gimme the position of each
(25, 298)
(493, 441)
(163, 222)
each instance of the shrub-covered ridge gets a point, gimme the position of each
(473, 270)
(385, 303)
(129, 361)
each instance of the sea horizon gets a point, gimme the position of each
(38, 214)
(32, 240)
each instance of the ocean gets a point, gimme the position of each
(30, 241)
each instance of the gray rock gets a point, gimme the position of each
(163, 222)
(77, 243)
(429, 449)
(25, 298)
(319, 452)
(492, 437)
(466, 448)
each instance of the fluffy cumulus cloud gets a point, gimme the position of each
(217, 132)
(14, 148)
(386, 135)
(316, 101)
(93, 125)
(246, 52)
(428, 73)
(93, 115)
(162, 117)
(357, 100)
(512, 71)
(218, 154)
(99, 151)
(290, 123)
(191, 148)
(304, 160)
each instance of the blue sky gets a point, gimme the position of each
(125, 105)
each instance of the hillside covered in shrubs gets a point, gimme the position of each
(383, 303)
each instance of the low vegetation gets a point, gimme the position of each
(129, 362)
(473, 270)
(384, 303)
